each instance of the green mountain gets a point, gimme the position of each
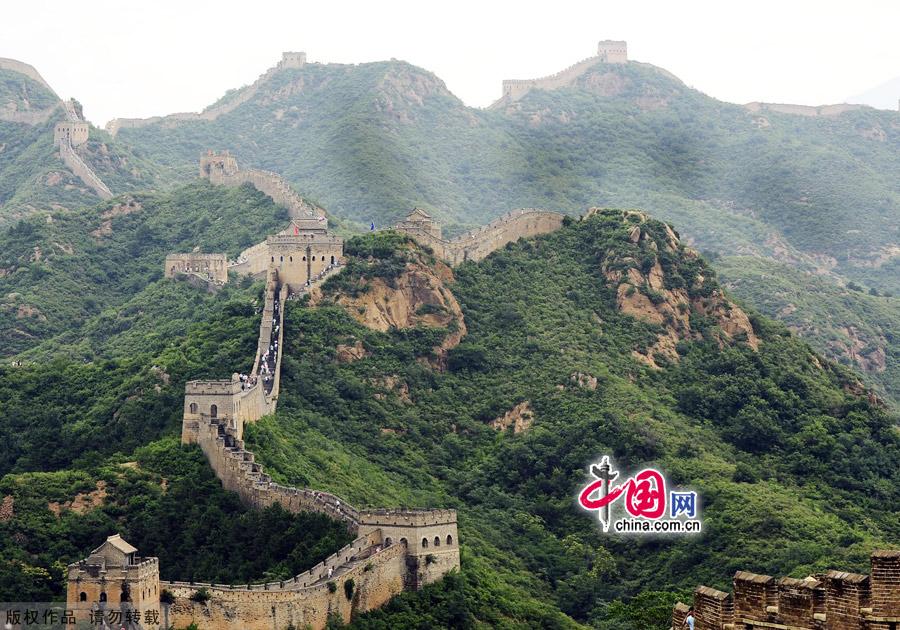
(378, 138)
(858, 328)
(372, 140)
(57, 272)
(33, 178)
(491, 393)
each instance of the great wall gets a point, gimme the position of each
(834, 600)
(608, 51)
(288, 60)
(394, 549)
(480, 242)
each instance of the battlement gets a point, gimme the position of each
(407, 517)
(214, 267)
(480, 242)
(833, 600)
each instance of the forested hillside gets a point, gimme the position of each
(785, 448)
(57, 272)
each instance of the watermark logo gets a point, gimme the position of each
(651, 507)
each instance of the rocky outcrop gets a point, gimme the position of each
(347, 353)
(659, 281)
(520, 418)
(83, 501)
(417, 297)
(7, 510)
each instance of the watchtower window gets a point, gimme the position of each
(102, 597)
(290, 259)
(449, 539)
(193, 407)
(388, 542)
(437, 541)
(281, 259)
(82, 597)
(403, 541)
(332, 260)
(424, 543)
(273, 259)
(213, 411)
(304, 258)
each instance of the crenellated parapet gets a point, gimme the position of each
(477, 244)
(835, 600)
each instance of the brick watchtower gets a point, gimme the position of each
(113, 578)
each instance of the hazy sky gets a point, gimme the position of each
(141, 58)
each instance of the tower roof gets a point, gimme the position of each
(118, 543)
(418, 215)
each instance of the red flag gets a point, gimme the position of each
(296, 231)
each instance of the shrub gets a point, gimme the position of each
(348, 588)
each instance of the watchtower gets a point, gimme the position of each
(292, 60)
(419, 221)
(216, 166)
(613, 51)
(73, 132)
(430, 536)
(303, 251)
(113, 578)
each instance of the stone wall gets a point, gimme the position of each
(514, 89)
(211, 266)
(273, 185)
(804, 110)
(478, 244)
(26, 69)
(608, 51)
(26, 116)
(78, 166)
(835, 600)
(288, 60)
(394, 549)
(377, 577)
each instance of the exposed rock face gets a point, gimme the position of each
(520, 418)
(83, 502)
(667, 297)
(417, 297)
(345, 353)
(7, 512)
(393, 384)
(584, 381)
